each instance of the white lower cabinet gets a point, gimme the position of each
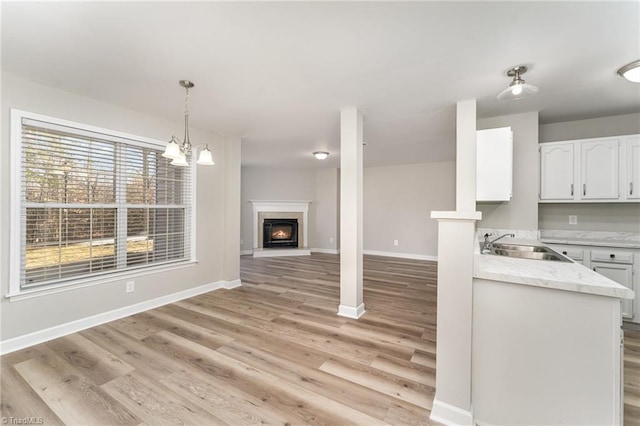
(617, 264)
(622, 274)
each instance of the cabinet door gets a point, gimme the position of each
(632, 185)
(556, 172)
(622, 274)
(494, 164)
(599, 170)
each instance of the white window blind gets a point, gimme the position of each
(95, 203)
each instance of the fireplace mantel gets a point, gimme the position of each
(288, 206)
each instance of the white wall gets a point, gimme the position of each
(522, 211)
(217, 188)
(627, 124)
(274, 184)
(591, 217)
(327, 210)
(397, 205)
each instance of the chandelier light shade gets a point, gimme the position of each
(205, 157)
(178, 151)
(321, 155)
(517, 89)
(631, 71)
(180, 160)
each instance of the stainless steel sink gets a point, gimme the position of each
(520, 247)
(526, 252)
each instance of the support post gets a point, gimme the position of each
(351, 222)
(456, 237)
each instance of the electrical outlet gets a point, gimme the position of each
(573, 219)
(131, 286)
(331, 240)
(395, 243)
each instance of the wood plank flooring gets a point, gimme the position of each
(273, 352)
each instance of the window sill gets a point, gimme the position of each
(90, 282)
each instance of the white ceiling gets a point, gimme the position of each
(277, 74)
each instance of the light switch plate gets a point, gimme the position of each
(573, 219)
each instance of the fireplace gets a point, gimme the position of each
(279, 233)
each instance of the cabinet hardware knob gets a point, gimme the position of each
(584, 189)
(612, 255)
(564, 252)
(572, 190)
(630, 188)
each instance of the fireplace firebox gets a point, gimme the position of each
(280, 233)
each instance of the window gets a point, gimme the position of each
(91, 202)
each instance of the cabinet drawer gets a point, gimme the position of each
(571, 252)
(611, 256)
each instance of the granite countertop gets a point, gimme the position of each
(569, 276)
(592, 238)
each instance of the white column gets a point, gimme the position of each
(466, 156)
(232, 202)
(452, 403)
(351, 294)
(456, 237)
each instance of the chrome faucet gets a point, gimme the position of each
(488, 245)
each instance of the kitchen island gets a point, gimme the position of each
(546, 343)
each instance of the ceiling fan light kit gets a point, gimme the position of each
(177, 151)
(517, 89)
(631, 71)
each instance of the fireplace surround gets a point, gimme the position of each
(264, 210)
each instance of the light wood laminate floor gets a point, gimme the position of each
(273, 351)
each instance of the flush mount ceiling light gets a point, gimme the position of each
(517, 89)
(321, 155)
(631, 71)
(178, 151)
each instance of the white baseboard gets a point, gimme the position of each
(350, 311)
(449, 414)
(401, 255)
(324, 250)
(277, 252)
(245, 252)
(231, 284)
(41, 336)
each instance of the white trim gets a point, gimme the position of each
(40, 336)
(16, 201)
(108, 134)
(325, 250)
(401, 255)
(350, 311)
(456, 215)
(275, 252)
(229, 285)
(449, 414)
(281, 206)
(245, 252)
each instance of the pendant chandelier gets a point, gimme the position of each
(178, 151)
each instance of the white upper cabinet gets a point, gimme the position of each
(599, 169)
(557, 172)
(632, 182)
(494, 164)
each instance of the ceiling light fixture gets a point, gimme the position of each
(321, 155)
(631, 71)
(517, 89)
(178, 151)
